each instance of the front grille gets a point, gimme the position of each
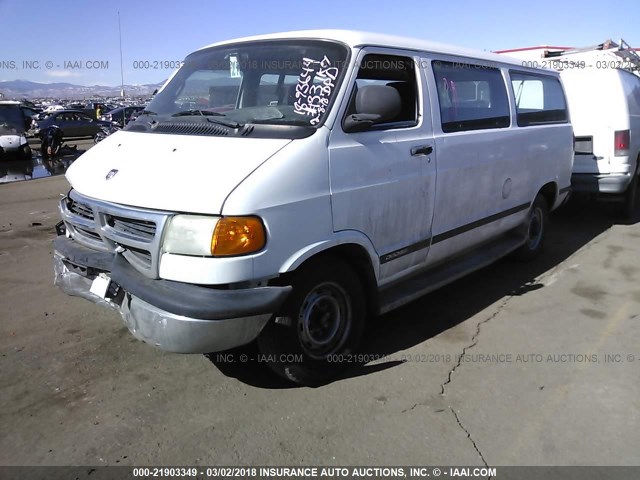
(80, 209)
(142, 229)
(88, 233)
(109, 227)
(141, 255)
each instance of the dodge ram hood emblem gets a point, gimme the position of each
(111, 174)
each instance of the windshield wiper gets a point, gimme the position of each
(209, 113)
(200, 113)
(147, 112)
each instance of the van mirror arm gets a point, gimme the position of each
(359, 122)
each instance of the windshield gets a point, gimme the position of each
(290, 82)
(11, 116)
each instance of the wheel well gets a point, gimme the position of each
(550, 193)
(358, 259)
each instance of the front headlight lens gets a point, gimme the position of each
(189, 234)
(214, 236)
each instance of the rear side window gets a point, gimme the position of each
(539, 99)
(471, 97)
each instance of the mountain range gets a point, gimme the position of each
(17, 89)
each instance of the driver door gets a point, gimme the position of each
(383, 179)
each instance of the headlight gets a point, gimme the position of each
(214, 236)
(189, 234)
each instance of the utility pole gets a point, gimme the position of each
(121, 69)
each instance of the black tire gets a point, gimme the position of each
(535, 227)
(629, 202)
(320, 326)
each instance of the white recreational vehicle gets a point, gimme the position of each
(603, 90)
(287, 187)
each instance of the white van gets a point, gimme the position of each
(286, 187)
(605, 113)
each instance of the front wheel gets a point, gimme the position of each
(315, 335)
(536, 230)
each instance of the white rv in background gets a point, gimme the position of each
(603, 93)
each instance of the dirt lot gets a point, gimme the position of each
(549, 374)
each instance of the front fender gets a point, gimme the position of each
(344, 237)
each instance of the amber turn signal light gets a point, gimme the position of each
(238, 236)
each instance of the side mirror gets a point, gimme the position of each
(374, 104)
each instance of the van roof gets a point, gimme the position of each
(613, 76)
(355, 38)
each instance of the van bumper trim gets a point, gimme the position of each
(614, 183)
(229, 318)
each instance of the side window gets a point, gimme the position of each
(471, 97)
(539, 99)
(396, 72)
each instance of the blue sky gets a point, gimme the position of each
(47, 41)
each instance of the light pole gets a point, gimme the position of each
(121, 69)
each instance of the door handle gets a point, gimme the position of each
(421, 150)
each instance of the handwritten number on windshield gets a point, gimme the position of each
(314, 87)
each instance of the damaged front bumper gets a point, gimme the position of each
(173, 316)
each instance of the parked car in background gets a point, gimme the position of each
(121, 115)
(13, 126)
(53, 108)
(106, 131)
(73, 123)
(32, 114)
(136, 114)
(91, 109)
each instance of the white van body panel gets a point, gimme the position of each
(169, 172)
(292, 194)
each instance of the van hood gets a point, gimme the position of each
(169, 172)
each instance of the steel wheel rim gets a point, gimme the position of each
(536, 228)
(324, 320)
